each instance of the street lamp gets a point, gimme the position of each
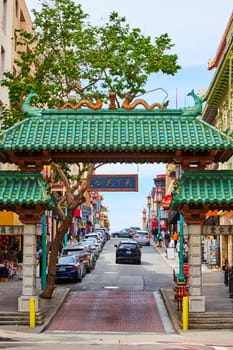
(158, 200)
(144, 225)
(149, 202)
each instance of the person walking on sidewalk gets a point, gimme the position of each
(167, 239)
(226, 268)
(154, 228)
(175, 238)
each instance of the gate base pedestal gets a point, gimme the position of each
(24, 303)
(196, 303)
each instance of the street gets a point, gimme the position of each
(118, 297)
(151, 275)
(140, 319)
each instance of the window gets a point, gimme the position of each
(3, 56)
(16, 8)
(4, 15)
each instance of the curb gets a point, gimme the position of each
(170, 310)
(50, 317)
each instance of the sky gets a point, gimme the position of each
(196, 28)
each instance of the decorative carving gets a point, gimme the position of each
(112, 97)
(89, 104)
(126, 104)
(197, 108)
(31, 110)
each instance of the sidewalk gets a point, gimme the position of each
(214, 290)
(11, 290)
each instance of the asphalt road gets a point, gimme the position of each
(151, 275)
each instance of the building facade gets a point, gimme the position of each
(218, 111)
(14, 15)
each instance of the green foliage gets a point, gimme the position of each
(67, 56)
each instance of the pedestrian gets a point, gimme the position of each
(178, 246)
(39, 260)
(230, 281)
(20, 264)
(226, 268)
(167, 239)
(175, 238)
(154, 228)
(83, 232)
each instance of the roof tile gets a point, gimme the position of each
(113, 130)
(204, 186)
(22, 187)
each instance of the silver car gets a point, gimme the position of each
(142, 237)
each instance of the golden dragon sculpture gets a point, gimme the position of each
(89, 104)
(127, 105)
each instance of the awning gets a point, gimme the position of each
(166, 201)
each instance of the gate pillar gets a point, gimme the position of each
(196, 299)
(29, 270)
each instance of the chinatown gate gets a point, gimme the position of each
(153, 134)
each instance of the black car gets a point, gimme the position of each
(128, 251)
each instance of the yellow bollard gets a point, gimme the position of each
(185, 313)
(32, 313)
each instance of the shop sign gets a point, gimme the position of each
(217, 230)
(11, 230)
(113, 183)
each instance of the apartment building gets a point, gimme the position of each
(14, 15)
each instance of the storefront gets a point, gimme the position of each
(11, 236)
(211, 251)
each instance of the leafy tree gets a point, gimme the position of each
(67, 56)
(74, 196)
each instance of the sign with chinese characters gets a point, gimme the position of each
(16, 230)
(11, 230)
(113, 183)
(217, 230)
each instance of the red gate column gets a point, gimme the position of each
(196, 299)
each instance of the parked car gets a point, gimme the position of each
(128, 251)
(133, 230)
(86, 255)
(93, 244)
(105, 232)
(98, 237)
(142, 237)
(101, 234)
(121, 233)
(70, 267)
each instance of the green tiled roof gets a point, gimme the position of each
(221, 77)
(110, 131)
(21, 187)
(205, 186)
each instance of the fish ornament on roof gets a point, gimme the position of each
(31, 110)
(197, 108)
